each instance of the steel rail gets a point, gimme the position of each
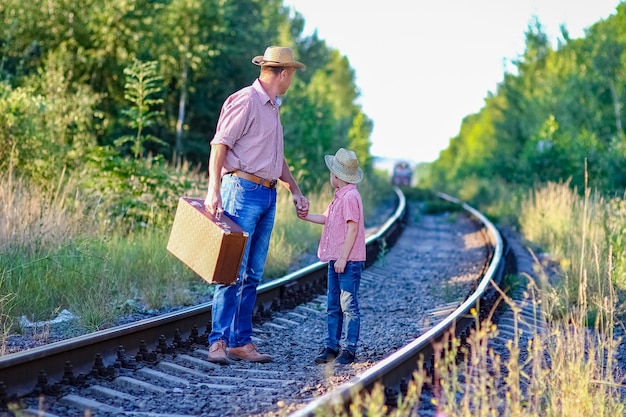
(23, 372)
(398, 368)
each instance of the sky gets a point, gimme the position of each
(422, 66)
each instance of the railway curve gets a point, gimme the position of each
(284, 306)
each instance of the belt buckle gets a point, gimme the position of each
(273, 183)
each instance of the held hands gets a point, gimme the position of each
(302, 205)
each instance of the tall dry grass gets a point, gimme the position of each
(564, 370)
(56, 253)
(569, 369)
(32, 218)
(585, 235)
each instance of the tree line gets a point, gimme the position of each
(119, 90)
(558, 116)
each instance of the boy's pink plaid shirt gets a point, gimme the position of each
(346, 206)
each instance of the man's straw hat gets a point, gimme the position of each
(345, 166)
(277, 56)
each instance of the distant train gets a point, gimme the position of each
(402, 174)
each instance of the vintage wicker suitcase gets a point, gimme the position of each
(212, 248)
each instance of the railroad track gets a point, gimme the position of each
(158, 364)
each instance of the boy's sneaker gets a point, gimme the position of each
(326, 355)
(345, 357)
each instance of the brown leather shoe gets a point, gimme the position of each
(248, 353)
(217, 353)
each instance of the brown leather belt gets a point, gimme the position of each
(255, 179)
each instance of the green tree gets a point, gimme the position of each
(359, 139)
(46, 125)
(142, 83)
(203, 48)
(558, 118)
(184, 49)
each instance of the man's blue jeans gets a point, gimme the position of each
(253, 207)
(343, 305)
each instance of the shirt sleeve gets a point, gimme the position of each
(233, 121)
(352, 207)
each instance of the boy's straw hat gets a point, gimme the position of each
(277, 56)
(345, 166)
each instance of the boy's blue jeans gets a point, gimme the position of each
(343, 305)
(253, 207)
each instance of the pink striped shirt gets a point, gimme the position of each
(346, 206)
(249, 124)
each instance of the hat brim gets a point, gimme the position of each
(258, 60)
(352, 179)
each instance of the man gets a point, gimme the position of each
(246, 161)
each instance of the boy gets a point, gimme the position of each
(342, 245)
